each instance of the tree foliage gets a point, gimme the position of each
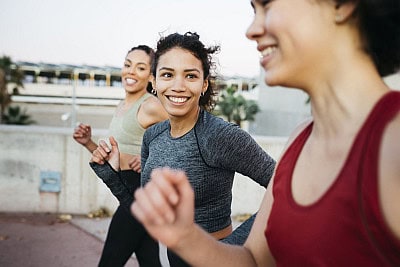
(9, 73)
(16, 115)
(236, 108)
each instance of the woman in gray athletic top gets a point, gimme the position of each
(209, 149)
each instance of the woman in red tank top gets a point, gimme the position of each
(335, 196)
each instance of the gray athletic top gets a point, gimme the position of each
(210, 154)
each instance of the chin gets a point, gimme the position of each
(270, 81)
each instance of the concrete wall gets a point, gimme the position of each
(282, 110)
(28, 151)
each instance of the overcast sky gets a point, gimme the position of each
(101, 32)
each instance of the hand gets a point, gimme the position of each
(135, 163)
(104, 153)
(82, 134)
(165, 206)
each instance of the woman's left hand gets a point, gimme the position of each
(135, 163)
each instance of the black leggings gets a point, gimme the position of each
(126, 235)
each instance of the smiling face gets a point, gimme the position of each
(179, 82)
(294, 38)
(136, 71)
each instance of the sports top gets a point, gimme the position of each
(345, 227)
(127, 130)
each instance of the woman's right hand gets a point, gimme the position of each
(82, 134)
(104, 153)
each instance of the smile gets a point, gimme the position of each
(130, 81)
(178, 99)
(268, 51)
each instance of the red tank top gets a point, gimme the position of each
(345, 227)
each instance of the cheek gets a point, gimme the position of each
(160, 86)
(124, 71)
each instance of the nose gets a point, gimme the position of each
(256, 29)
(179, 84)
(131, 69)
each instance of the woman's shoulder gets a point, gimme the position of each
(155, 130)
(211, 123)
(151, 111)
(158, 127)
(152, 105)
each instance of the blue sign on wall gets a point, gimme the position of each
(50, 181)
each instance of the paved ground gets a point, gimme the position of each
(44, 240)
(47, 240)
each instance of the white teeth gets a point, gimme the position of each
(178, 99)
(130, 81)
(268, 51)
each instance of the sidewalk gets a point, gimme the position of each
(44, 240)
(28, 239)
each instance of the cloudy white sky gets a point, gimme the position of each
(99, 32)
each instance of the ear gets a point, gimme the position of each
(153, 81)
(151, 78)
(205, 86)
(344, 11)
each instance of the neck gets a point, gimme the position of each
(131, 98)
(342, 112)
(341, 101)
(182, 125)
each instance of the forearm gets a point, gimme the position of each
(90, 146)
(201, 249)
(111, 178)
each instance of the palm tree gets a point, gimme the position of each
(9, 73)
(16, 115)
(236, 108)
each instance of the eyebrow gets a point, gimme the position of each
(138, 63)
(186, 70)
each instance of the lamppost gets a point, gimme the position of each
(74, 107)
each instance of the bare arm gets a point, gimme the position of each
(151, 111)
(389, 176)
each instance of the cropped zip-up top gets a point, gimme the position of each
(210, 154)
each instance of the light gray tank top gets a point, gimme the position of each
(127, 130)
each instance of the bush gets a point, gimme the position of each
(16, 115)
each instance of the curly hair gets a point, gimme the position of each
(191, 42)
(379, 24)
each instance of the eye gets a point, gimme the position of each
(141, 68)
(166, 75)
(265, 2)
(126, 65)
(256, 4)
(191, 76)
